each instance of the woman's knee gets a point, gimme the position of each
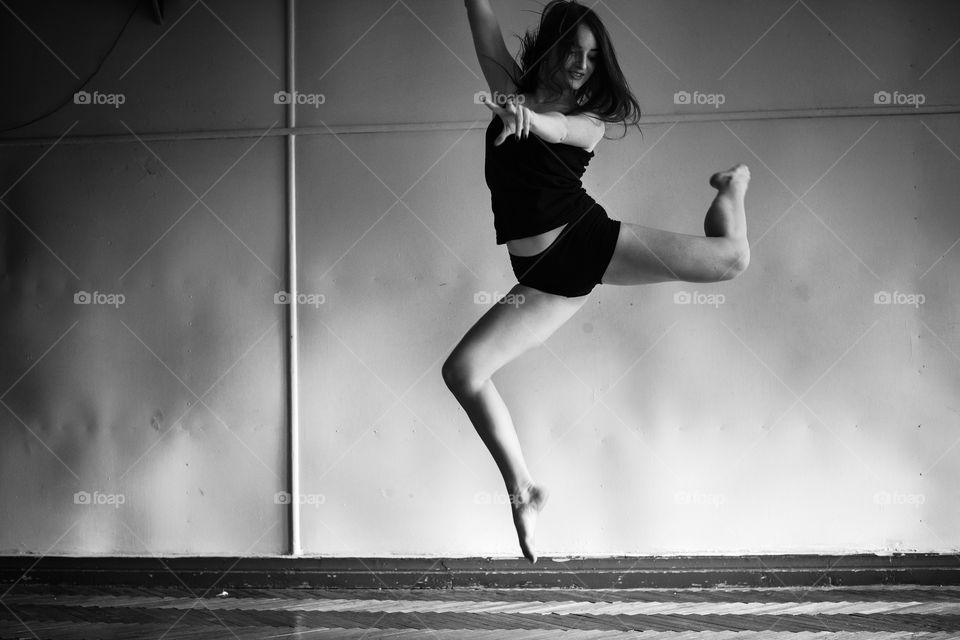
(738, 259)
(460, 373)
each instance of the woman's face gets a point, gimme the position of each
(579, 60)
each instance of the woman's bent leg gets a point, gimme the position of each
(503, 333)
(644, 255)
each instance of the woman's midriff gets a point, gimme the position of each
(532, 245)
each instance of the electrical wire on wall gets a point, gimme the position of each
(69, 98)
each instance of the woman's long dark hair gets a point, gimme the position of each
(544, 51)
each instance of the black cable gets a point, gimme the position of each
(90, 77)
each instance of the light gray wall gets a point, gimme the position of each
(175, 399)
(796, 415)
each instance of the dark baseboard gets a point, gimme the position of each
(763, 571)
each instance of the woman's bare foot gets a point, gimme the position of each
(726, 216)
(526, 505)
(736, 176)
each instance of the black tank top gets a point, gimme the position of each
(534, 185)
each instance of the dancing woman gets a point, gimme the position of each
(561, 243)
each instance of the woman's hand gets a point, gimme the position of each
(517, 119)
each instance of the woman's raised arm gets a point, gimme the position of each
(491, 49)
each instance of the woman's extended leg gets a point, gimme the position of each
(500, 335)
(644, 255)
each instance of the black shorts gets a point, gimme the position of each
(576, 260)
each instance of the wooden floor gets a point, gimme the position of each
(31, 611)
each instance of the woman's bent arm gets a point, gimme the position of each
(579, 131)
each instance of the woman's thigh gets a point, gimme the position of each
(645, 255)
(522, 319)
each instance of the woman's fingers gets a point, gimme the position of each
(516, 119)
(497, 110)
(522, 121)
(506, 131)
